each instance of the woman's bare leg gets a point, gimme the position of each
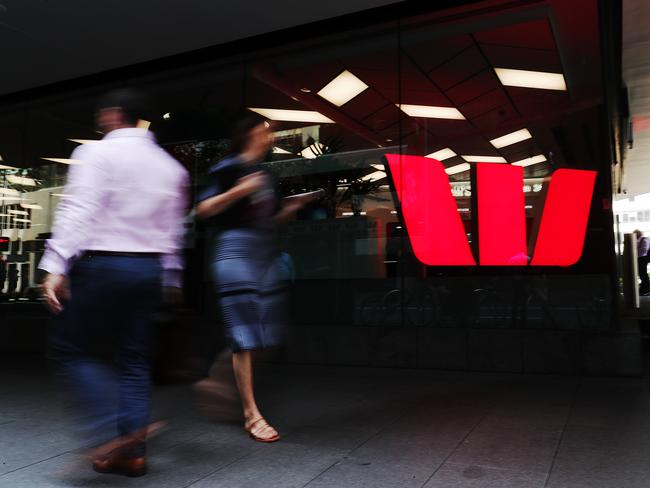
(242, 363)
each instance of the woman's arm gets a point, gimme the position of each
(215, 205)
(291, 205)
(287, 212)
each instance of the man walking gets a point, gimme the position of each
(642, 247)
(115, 242)
(3, 274)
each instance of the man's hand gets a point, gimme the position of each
(56, 288)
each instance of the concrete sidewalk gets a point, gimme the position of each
(351, 427)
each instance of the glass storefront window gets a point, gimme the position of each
(338, 104)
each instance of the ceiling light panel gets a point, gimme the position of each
(531, 79)
(63, 160)
(342, 89)
(431, 112)
(540, 158)
(512, 138)
(459, 168)
(21, 180)
(483, 159)
(32, 206)
(375, 176)
(84, 141)
(143, 124)
(283, 115)
(442, 154)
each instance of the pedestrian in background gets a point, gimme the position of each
(12, 285)
(115, 243)
(642, 247)
(3, 274)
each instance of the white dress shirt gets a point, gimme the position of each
(125, 195)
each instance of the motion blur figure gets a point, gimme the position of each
(242, 205)
(3, 274)
(115, 243)
(642, 248)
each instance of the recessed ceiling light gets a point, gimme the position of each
(459, 168)
(167, 116)
(431, 112)
(305, 90)
(540, 158)
(531, 79)
(63, 160)
(84, 141)
(442, 154)
(292, 115)
(483, 159)
(512, 138)
(342, 89)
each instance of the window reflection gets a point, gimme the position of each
(338, 104)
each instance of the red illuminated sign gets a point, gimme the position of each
(436, 230)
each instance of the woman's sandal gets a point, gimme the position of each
(258, 426)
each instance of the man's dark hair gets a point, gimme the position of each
(241, 130)
(133, 103)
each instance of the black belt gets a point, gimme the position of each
(123, 254)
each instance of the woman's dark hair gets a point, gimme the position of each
(133, 103)
(242, 129)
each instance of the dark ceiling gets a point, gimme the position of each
(45, 41)
(445, 58)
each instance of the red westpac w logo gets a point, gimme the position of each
(436, 230)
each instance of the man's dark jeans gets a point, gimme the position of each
(101, 343)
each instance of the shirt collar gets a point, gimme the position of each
(130, 132)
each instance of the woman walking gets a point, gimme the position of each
(241, 203)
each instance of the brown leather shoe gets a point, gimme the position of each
(118, 464)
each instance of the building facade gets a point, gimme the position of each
(500, 99)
